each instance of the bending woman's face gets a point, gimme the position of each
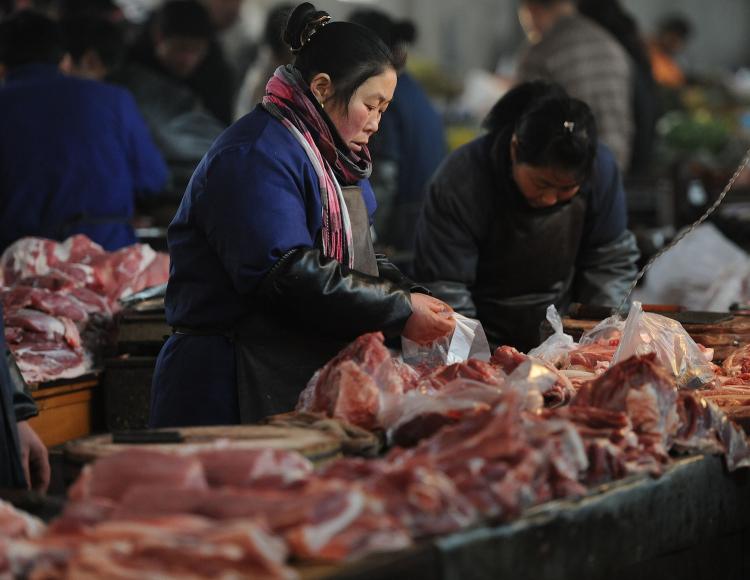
(357, 122)
(543, 186)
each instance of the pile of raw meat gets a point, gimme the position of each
(59, 298)
(224, 511)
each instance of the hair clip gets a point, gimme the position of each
(569, 126)
(310, 29)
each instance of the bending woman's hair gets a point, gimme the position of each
(551, 128)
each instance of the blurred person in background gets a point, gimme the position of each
(531, 214)
(94, 9)
(407, 149)
(238, 48)
(96, 47)
(575, 52)
(24, 461)
(670, 40)
(611, 16)
(178, 43)
(272, 54)
(74, 153)
(182, 127)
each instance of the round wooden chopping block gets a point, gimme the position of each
(313, 444)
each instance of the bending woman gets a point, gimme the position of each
(272, 267)
(531, 214)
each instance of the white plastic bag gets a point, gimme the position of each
(606, 331)
(555, 349)
(467, 341)
(675, 350)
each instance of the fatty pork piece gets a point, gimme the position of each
(53, 303)
(421, 498)
(418, 415)
(478, 454)
(169, 548)
(111, 477)
(349, 386)
(41, 361)
(472, 369)
(274, 468)
(643, 390)
(705, 428)
(557, 392)
(324, 520)
(738, 362)
(593, 357)
(612, 448)
(17, 524)
(44, 326)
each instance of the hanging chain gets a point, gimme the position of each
(679, 237)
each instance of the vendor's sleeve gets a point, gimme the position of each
(149, 170)
(252, 211)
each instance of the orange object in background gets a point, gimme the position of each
(665, 69)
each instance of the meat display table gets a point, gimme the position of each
(691, 523)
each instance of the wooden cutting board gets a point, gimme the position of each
(313, 444)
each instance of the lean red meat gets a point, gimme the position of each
(350, 387)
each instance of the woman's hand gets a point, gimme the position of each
(34, 458)
(431, 319)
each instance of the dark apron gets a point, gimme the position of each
(527, 263)
(276, 355)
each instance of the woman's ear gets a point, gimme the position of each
(321, 87)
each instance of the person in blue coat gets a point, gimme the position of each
(530, 214)
(272, 265)
(74, 153)
(409, 146)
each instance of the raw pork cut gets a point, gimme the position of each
(112, 476)
(643, 390)
(273, 468)
(350, 386)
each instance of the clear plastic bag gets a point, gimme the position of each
(675, 350)
(467, 341)
(606, 331)
(555, 349)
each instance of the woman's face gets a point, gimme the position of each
(358, 121)
(543, 186)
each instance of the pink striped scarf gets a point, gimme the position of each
(289, 100)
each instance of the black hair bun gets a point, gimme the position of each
(302, 24)
(404, 31)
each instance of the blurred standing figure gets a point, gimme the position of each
(179, 43)
(408, 147)
(569, 49)
(232, 35)
(611, 16)
(74, 153)
(272, 54)
(671, 37)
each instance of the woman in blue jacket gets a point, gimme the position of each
(272, 267)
